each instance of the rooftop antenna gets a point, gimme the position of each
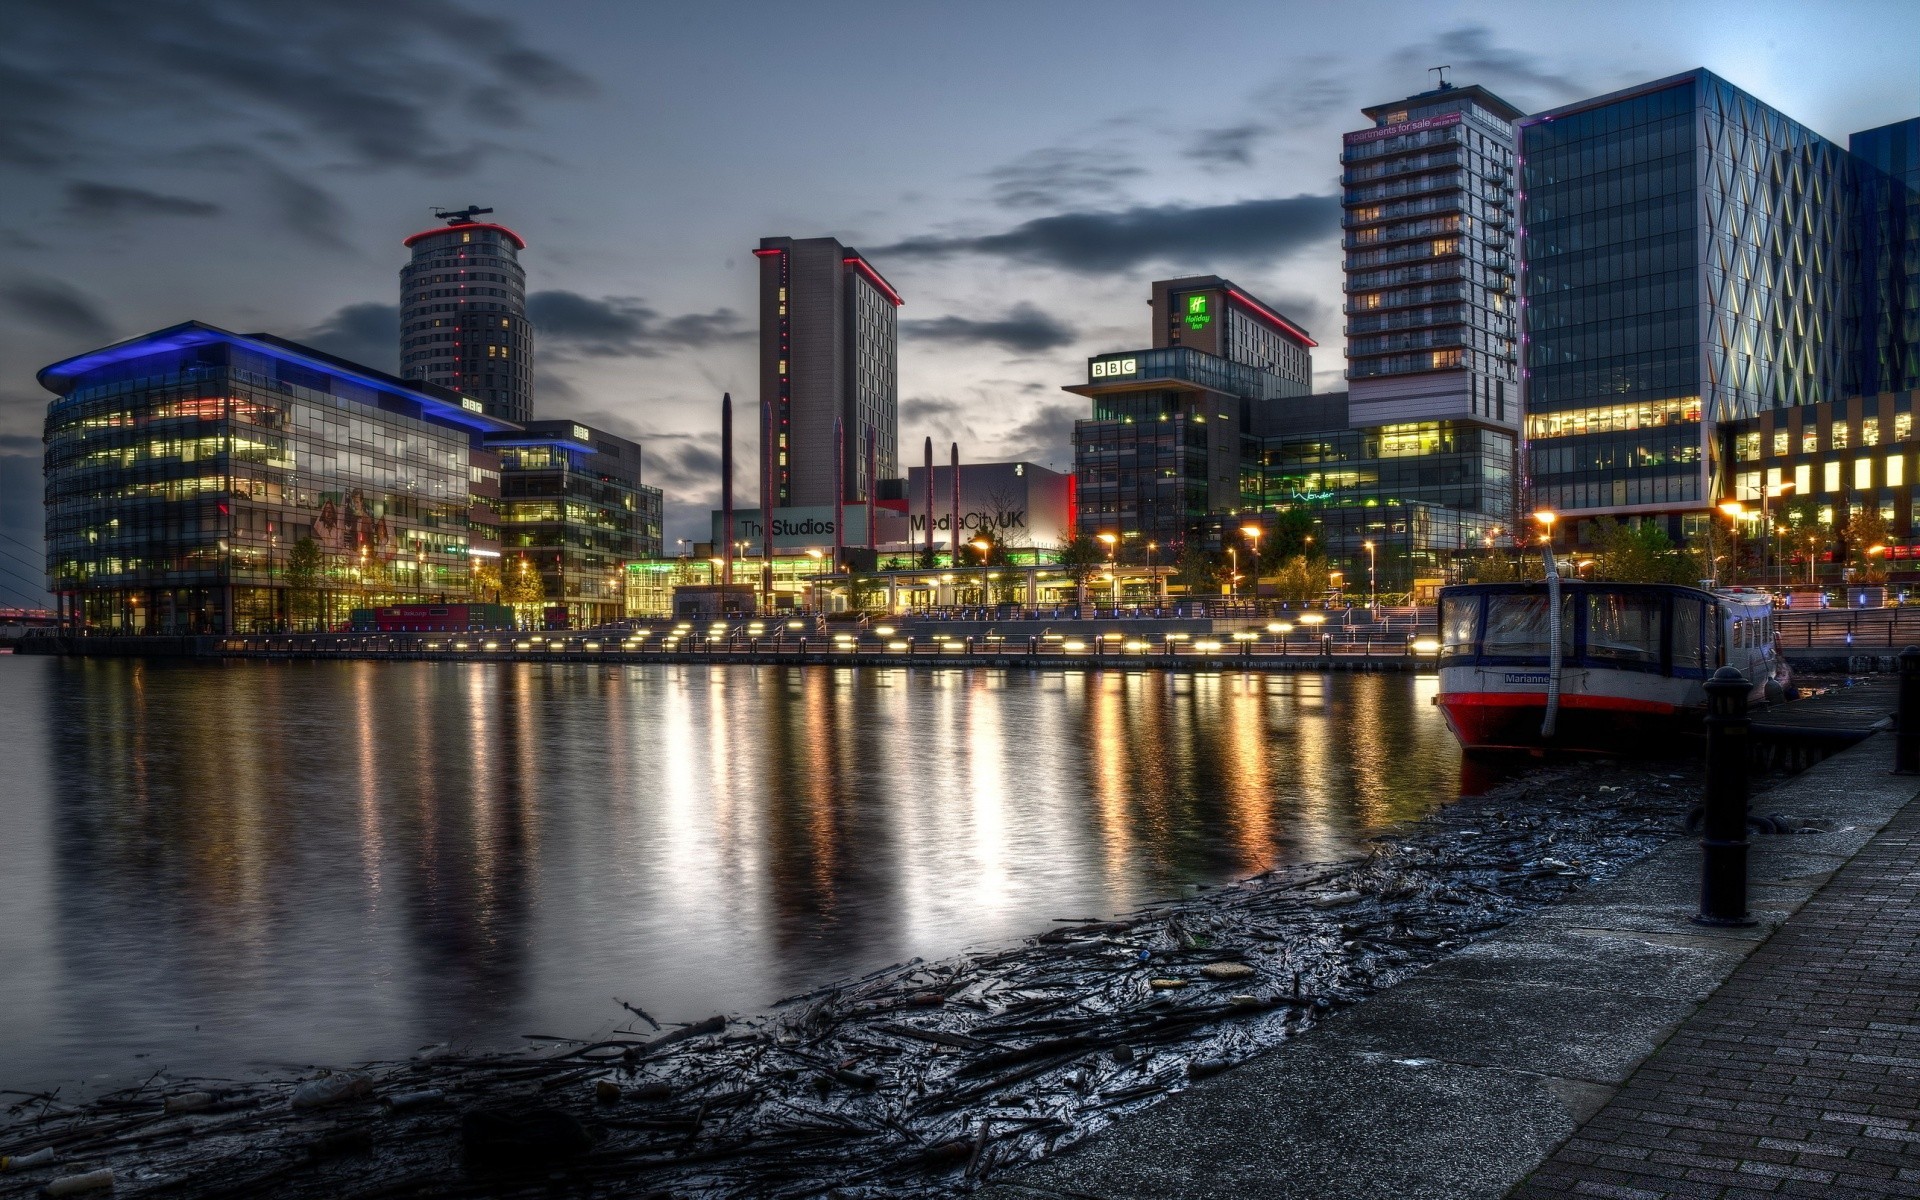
(463, 216)
(1441, 72)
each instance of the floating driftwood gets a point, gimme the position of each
(921, 1079)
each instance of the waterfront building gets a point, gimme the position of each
(1691, 258)
(829, 341)
(1801, 471)
(1887, 259)
(202, 481)
(574, 510)
(1424, 493)
(463, 313)
(1427, 209)
(1163, 446)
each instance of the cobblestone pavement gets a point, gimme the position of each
(1800, 1076)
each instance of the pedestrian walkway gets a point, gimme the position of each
(1800, 1076)
(1597, 1048)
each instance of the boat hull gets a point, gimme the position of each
(1584, 723)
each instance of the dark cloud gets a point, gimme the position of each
(19, 443)
(306, 208)
(1528, 80)
(364, 79)
(920, 409)
(1230, 147)
(1023, 330)
(1047, 435)
(1059, 176)
(624, 325)
(366, 333)
(55, 307)
(1220, 235)
(88, 201)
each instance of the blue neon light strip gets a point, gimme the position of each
(196, 333)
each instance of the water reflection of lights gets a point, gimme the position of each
(521, 842)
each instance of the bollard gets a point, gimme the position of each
(1723, 832)
(1906, 737)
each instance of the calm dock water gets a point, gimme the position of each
(222, 867)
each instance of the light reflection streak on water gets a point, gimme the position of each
(333, 861)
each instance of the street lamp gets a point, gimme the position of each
(1112, 541)
(1252, 533)
(1771, 493)
(1546, 519)
(1153, 575)
(1734, 510)
(985, 548)
(818, 556)
(1373, 591)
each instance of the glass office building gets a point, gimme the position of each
(201, 481)
(1424, 493)
(1887, 259)
(1690, 257)
(574, 511)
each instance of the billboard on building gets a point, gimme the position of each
(1023, 504)
(811, 527)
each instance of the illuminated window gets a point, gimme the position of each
(1803, 479)
(1837, 439)
(1809, 441)
(1862, 472)
(1781, 440)
(1870, 431)
(1896, 470)
(1830, 477)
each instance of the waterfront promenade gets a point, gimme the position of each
(1606, 1047)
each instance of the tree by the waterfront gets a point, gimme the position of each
(1639, 553)
(1301, 578)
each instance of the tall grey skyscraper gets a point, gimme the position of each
(1429, 196)
(463, 313)
(828, 348)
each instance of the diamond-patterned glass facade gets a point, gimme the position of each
(1691, 256)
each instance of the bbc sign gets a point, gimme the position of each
(1115, 368)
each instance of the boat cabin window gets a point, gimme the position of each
(1624, 627)
(1517, 627)
(1458, 616)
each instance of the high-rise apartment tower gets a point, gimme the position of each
(1428, 200)
(463, 313)
(828, 348)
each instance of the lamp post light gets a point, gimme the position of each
(984, 547)
(1112, 542)
(1252, 533)
(1734, 510)
(1153, 574)
(1546, 519)
(1767, 495)
(813, 586)
(1373, 591)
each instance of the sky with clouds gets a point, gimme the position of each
(1021, 172)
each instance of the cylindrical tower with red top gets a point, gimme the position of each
(463, 313)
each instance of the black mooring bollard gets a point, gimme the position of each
(1723, 832)
(1906, 736)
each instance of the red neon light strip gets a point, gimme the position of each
(873, 277)
(1271, 315)
(767, 253)
(519, 243)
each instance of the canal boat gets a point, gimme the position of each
(1602, 667)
